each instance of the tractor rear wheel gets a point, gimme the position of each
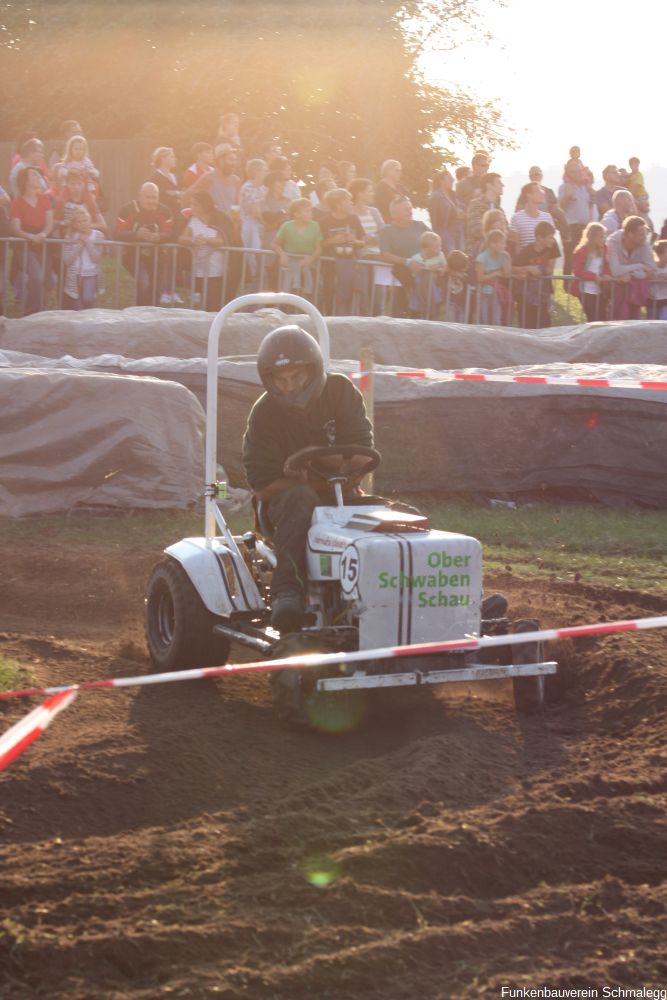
(296, 699)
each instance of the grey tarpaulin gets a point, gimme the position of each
(143, 332)
(493, 439)
(87, 439)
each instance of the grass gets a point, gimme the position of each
(12, 676)
(613, 548)
(596, 545)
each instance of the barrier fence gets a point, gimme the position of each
(34, 277)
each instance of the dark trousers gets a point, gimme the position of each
(290, 514)
(593, 307)
(403, 293)
(576, 230)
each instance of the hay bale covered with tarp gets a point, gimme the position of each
(89, 439)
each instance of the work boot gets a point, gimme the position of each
(287, 610)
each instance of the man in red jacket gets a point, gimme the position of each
(146, 223)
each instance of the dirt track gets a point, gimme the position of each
(159, 842)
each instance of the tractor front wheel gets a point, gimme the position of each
(179, 627)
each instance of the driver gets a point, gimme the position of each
(302, 406)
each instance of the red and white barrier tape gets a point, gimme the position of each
(359, 656)
(24, 732)
(585, 383)
(28, 729)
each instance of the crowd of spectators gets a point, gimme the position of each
(231, 213)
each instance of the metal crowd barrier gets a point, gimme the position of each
(32, 278)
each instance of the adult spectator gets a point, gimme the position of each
(575, 198)
(202, 164)
(18, 146)
(623, 206)
(145, 224)
(72, 196)
(228, 132)
(5, 230)
(446, 212)
(399, 241)
(488, 199)
(205, 233)
(363, 198)
(164, 175)
(222, 183)
(325, 172)
(31, 155)
(343, 239)
(31, 219)
(493, 219)
(345, 173)
(548, 201)
(388, 187)
(318, 197)
(631, 262)
(282, 165)
(612, 182)
(473, 184)
(524, 222)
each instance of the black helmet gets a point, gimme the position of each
(282, 348)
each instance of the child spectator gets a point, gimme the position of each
(300, 237)
(82, 253)
(71, 196)
(342, 238)
(76, 157)
(575, 160)
(492, 265)
(203, 163)
(68, 129)
(535, 262)
(205, 233)
(636, 185)
(251, 196)
(455, 287)
(32, 219)
(591, 268)
(657, 304)
(430, 264)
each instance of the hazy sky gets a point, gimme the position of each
(562, 75)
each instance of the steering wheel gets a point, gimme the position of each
(307, 458)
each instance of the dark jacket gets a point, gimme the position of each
(274, 432)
